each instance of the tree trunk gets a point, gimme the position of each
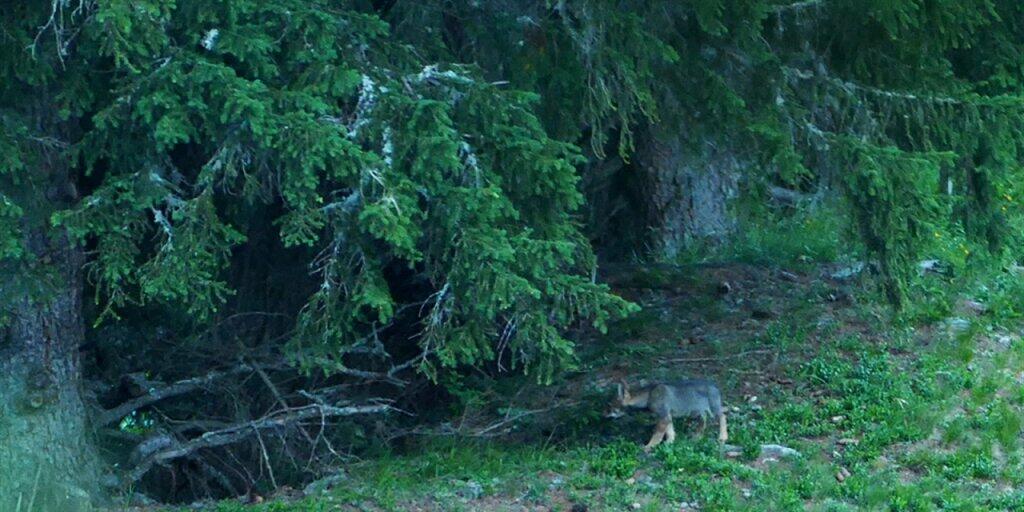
(687, 188)
(47, 462)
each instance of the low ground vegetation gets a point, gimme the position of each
(918, 413)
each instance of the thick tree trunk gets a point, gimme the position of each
(46, 457)
(687, 187)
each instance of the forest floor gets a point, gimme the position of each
(915, 415)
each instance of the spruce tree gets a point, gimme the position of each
(137, 136)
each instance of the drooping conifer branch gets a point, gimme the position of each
(798, 6)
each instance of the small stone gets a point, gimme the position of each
(324, 484)
(973, 306)
(471, 490)
(848, 441)
(838, 419)
(1003, 340)
(958, 324)
(635, 505)
(848, 272)
(630, 481)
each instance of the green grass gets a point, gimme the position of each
(883, 404)
(935, 421)
(811, 236)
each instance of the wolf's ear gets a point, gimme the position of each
(622, 389)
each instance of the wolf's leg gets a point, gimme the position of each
(723, 434)
(703, 424)
(659, 434)
(670, 433)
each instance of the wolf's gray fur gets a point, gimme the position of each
(687, 398)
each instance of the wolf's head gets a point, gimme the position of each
(619, 401)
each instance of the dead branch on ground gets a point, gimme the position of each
(236, 433)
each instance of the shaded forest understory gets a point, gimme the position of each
(920, 416)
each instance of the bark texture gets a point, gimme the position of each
(47, 462)
(688, 187)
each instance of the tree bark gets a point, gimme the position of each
(687, 187)
(47, 461)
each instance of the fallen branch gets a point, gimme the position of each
(337, 368)
(239, 432)
(155, 395)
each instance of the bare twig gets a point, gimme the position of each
(512, 419)
(280, 400)
(340, 369)
(273, 389)
(266, 458)
(487, 431)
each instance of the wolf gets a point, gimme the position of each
(687, 398)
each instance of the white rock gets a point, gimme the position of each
(928, 266)
(848, 272)
(776, 451)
